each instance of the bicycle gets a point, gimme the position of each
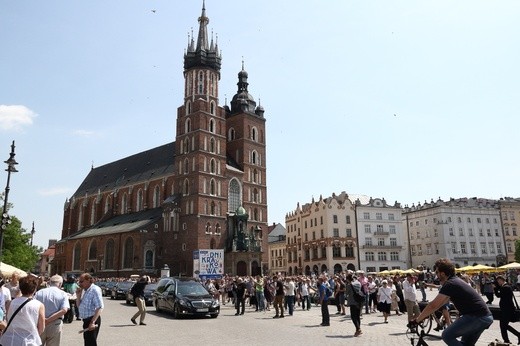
(413, 329)
(438, 317)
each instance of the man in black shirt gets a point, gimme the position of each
(240, 290)
(475, 316)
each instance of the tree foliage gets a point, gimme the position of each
(517, 251)
(17, 249)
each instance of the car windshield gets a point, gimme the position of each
(190, 288)
(125, 285)
(150, 287)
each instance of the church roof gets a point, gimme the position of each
(122, 223)
(145, 165)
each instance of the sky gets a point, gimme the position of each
(402, 100)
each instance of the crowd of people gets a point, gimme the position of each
(390, 295)
(32, 309)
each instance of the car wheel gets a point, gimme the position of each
(214, 316)
(157, 308)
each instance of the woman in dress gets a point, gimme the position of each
(26, 327)
(384, 298)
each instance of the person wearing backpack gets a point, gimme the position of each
(325, 294)
(355, 300)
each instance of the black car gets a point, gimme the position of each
(184, 297)
(148, 290)
(106, 289)
(120, 290)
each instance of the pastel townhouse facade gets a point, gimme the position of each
(464, 230)
(510, 217)
(382, 240)
(322, 236)
(277, 255)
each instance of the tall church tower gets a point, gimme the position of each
(219, 166)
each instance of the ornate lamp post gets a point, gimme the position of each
(6, 219)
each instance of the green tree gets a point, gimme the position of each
(517, 250)
(17, 249)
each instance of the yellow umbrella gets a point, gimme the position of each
(384, 272)
(481, 268)
(512, 265)
(464, 269)
(411, 271)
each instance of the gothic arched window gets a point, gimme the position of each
(128, 253)
(109, 254)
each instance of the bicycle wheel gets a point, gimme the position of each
(425, 325)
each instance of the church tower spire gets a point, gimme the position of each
(202, 55)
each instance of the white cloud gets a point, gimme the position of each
(15, 117)
(55, 191)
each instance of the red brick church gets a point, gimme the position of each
(205, 190)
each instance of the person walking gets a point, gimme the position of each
(507, 308)
(384, 298)
(279, 297)
(26, 316)
(410, 298)
(137, 292)
(56, 305)
(90, 305)
(474, 317)
(352, 287)
(324, 301)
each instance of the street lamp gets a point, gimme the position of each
(6, 220)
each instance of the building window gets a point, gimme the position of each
(367, 229)
(129, 253)
(379, 228)
(234, 195)
(348, 219)
(381, 256)
(336, 251)
(92, 251)
(109, 254)
(156, 197)
(393, 241)
(381, 241)
(391, 229)
(368, 241)
(366, 216)
(349, 251)
(379, 216)
(335, 232)
(76, 263)
(394, 256)
(391, 217)
(335, 218)
(349, 232)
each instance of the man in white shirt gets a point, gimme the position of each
(56, 306)
(410, 297)
(289, 295)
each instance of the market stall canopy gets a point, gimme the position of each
(6, 270)
(481, 268)
(411, 271)
(512, 265)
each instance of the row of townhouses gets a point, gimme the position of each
(351, 232)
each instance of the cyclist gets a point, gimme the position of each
(475, 316)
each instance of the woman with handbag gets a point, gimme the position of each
(384, 298)
(26, 317)
(507, 308)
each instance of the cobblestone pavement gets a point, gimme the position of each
(253, 328)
